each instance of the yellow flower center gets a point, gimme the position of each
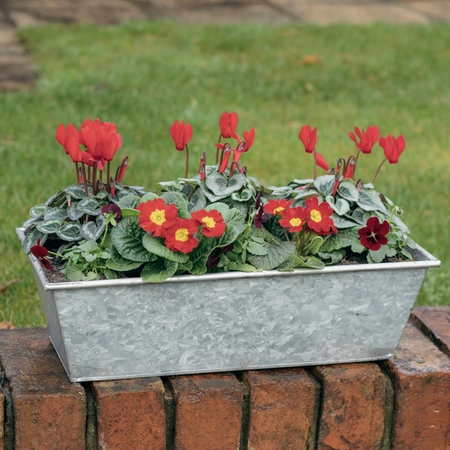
(295, 222)
(209, 222)
(158, 216)
(278, 210)
(316, 216)
(182, 234)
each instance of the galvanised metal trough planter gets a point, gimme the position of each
(127, 328)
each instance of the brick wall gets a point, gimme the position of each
(403, 403)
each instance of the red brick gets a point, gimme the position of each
(435, 323)
(421, 376)
(49, 411)
(208, 411)
(353, 410)
(282, 409)
(130, 414)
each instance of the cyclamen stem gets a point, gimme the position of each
(379, 167)
(86, 190)
(315, 164)
(77, 170)
(217, 150)
(186, 172)
(94, 176)
(108, 176)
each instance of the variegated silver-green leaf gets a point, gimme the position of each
(32, 220)
(77, 192)
(91, 231)
(348, 191)
(49, 226)
(197, 201)
(57, 199)
(325, 184)
(31, 238)
(244, 196)
(55, 213)
(340, 206)
(301, 194)
(70, 232)
(220, 186)
(370, 201)
(37, 210)
(74, 212)
(101, 195)
(89, 205)
(282, 191)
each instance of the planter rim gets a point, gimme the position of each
(424, 260)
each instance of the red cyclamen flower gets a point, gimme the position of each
(69, 139)
(181, 134)
(181, 236)
(393, 147)
(156, 217)
(308, 138)
(41, 254)
(294, 218)
(275, 207)
(319, 216)
(373, 235)
(212, 221)
(367, 138)
(228, 123)
(320, 161)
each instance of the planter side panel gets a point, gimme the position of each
(245, 323)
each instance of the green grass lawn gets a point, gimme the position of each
(143, 76)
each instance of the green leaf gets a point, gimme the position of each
(256, 249)
(348, 191)
(178, 200)
(343, 239)
(304, 193)
(331, 258)
(197, 201)
(233, 218)
(148, 197)
(325, 184)
(89, 205)
(129, 201)
(70, 232)
(128, 212)
(127, 239)
(243, 267)
(159, 271)
(220, 186)
(244, 196)
(376, 256)
(156, 247)
(172, 186)
(314, 245)
(282, 191)
(37, 210)
(276, 255)
(342, 222)
(49, 226)
(125, 267)
(73, 273)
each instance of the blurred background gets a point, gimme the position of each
(279, 64)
